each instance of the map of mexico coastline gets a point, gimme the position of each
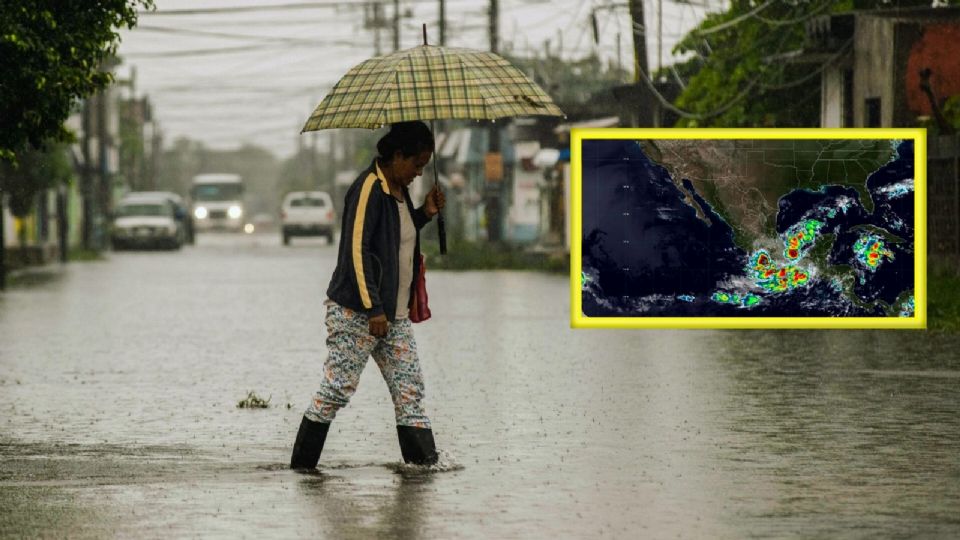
(747, 228)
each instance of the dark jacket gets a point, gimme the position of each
(368, 266)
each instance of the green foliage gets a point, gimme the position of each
(80, 254)
(943, 293)
(35, 171)
(951, 113)
(740, 74)
(485, 256)
(740, 78)
(51, 54)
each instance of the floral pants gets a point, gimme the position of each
(350, 344)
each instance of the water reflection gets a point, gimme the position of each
(846, 424)
(368, 502)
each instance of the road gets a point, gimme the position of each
(119, 381)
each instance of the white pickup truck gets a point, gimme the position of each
(307, 213)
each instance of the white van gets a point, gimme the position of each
(217, 202)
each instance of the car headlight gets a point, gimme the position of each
(200, 212)
(235, 212)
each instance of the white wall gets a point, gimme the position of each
(831, 101)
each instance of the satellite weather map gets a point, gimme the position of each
(747, 228)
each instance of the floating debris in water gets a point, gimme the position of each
(253, 401)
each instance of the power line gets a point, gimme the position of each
(796, 20)
(691, 115)
(248, 9)
(800, 80)
(328, 4)
(735, 21)
(227, 35)
(197, 52)
(754, 82)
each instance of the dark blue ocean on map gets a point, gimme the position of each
(646, 247)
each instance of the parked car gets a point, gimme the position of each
(307, 213)
(146, 222)
(181, 209)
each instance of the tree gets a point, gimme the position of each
(739, 77)
(50, 56)
(35, 171)
(739, 71)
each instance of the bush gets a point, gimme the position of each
(486, 256)
(943, 297)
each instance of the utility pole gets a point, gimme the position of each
(104, 188)
(619, 56)
(493, 164)
(644, 118)
(86, 178)
(396, 25)
(377, 22)
(3, 243)
(494, 25)
(443, 23)
(659, 35)
(62, 225)
(314, 176)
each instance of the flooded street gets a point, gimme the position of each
(119, 381)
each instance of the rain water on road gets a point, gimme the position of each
(119, 381)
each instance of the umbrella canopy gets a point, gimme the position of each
(430, 83)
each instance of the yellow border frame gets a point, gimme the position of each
(918, 321)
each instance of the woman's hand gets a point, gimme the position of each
(434, 202)
(378, 325)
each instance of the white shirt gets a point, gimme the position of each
(408, 241)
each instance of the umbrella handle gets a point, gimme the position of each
(442, 233)
(441, 230)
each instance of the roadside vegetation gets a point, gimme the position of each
(85, 255)
(943, 293)
(486, 256)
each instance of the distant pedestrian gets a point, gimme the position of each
(370, 294)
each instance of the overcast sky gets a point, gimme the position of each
(253, 76)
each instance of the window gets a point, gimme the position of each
(846, 106)
(129, 210)
(872, 112)
(217, 192)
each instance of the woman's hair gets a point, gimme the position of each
(409, 138)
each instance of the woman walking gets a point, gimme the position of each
(370, 295)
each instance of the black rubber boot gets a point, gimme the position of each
(416, 445)
(306, 450)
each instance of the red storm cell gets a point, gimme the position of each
(793, 253)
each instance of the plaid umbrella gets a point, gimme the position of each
(430, 83)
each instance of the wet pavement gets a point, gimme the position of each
(119, 381)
